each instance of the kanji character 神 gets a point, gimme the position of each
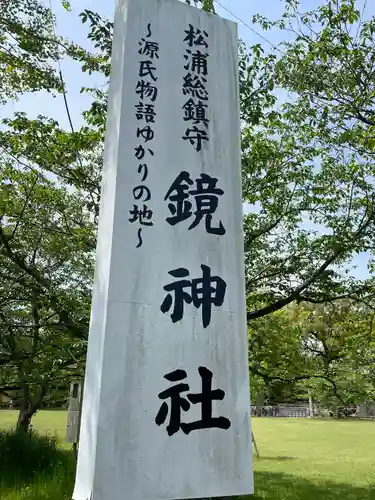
(203, 292)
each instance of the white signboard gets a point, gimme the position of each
(166, 411)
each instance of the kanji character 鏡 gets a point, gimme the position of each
(206, 197)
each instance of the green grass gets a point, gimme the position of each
(300, 460)
(38, 481)
(44, 422)
(314, 459)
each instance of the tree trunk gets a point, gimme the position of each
(29, 407)
(24, 420)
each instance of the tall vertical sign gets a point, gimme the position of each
(166, 410)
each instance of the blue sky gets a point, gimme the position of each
(69, 26)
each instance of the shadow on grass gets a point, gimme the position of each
(275, 486)
(25, 458)
(276, 459)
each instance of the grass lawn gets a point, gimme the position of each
(305, 459)
(301, 459)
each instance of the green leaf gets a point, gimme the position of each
(66, 5)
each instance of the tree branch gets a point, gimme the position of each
(43, 286)
(295, 294)
(298, 378)
(28, 195)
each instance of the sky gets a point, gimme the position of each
(68, 24)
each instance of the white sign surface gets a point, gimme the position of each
(166, 410)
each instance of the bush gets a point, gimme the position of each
(23, 457)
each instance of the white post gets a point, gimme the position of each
(74, 411)
(311, 406)
(166, 410)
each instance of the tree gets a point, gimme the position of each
(49, 191)
(307, 162)
(277, 361)
(28, 49)
(207, 5)
(339, 339)
(46, 272)
(325, 349)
